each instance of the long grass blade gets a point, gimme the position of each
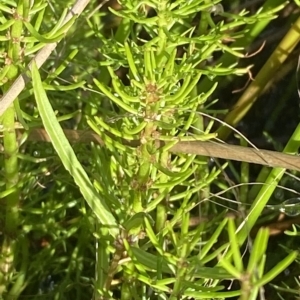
(68, 157)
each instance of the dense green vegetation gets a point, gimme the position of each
(128, 135)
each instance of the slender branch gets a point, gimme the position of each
(250, 95)
(40, 58)
(211, 149)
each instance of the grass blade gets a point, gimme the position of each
(68, 157)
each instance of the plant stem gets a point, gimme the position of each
(278, 57)
(11, 160)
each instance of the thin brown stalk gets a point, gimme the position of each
(211, 149)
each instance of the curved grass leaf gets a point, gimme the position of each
(68, 157)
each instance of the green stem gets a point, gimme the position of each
(162, 24)
(11, 168)
(267, 189)
(11, 171)
(161, 212)
(278, 57)
(12, 200)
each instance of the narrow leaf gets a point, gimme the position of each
(68, 157)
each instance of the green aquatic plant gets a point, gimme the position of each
(115, 217)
